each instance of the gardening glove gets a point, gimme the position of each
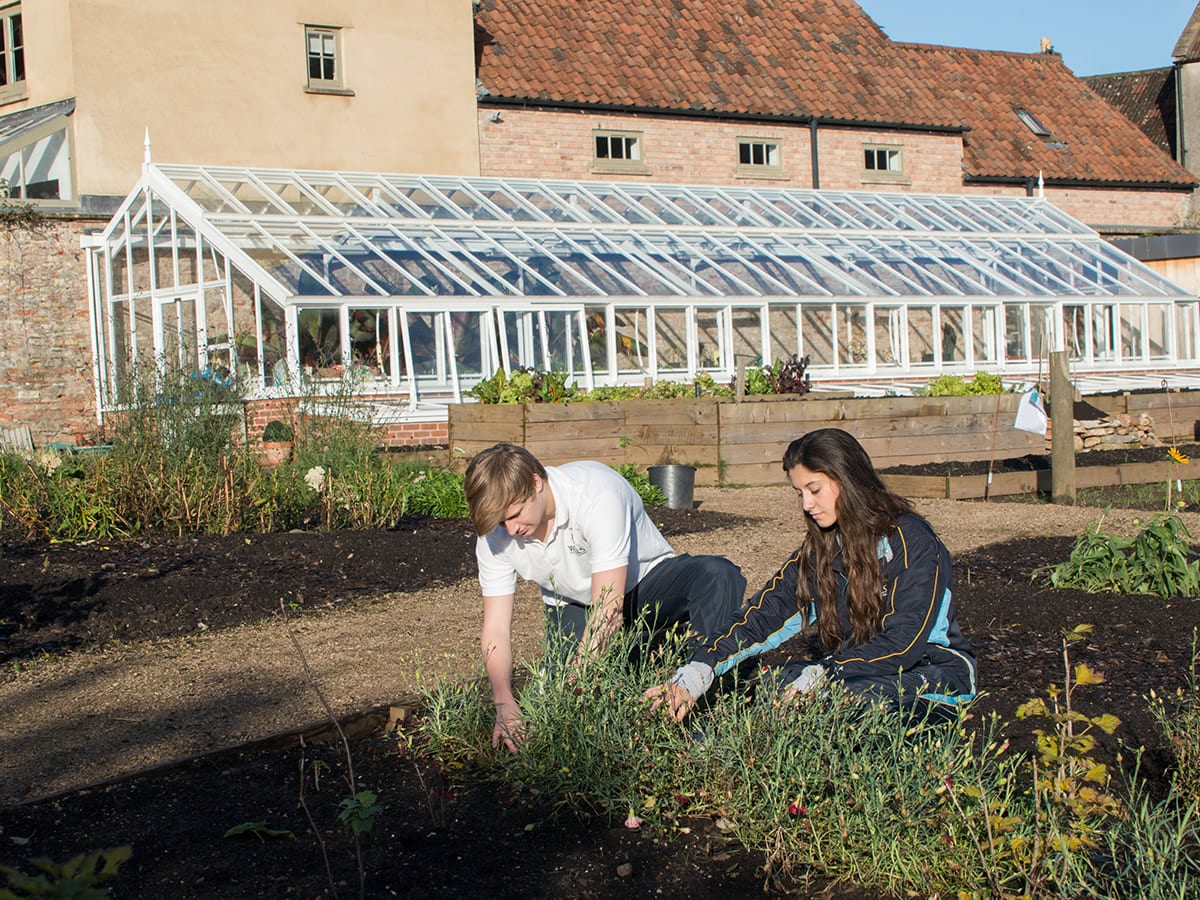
(810, 679)
(695, 678)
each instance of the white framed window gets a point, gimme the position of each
(617, 152)
(324, 60)
(12, 54)
(759, 156)
(883, 163)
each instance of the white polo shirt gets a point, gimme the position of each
(599, 524)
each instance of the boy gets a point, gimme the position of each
(581, 532)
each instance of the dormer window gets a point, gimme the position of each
(1033, 123)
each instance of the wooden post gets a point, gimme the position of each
(1062, 439)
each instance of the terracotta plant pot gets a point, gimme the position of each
(274, 453)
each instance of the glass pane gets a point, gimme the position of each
(1016, 315)
(633, 350)
(983, 334)
(1075, 330)
(851, 335)
(470, 350)
(1103, 331)
(427, 340)
(1158, 330)
(783, 331)
(370, 342)
(920, 334)
(710, 340)
(1185, 331)
(562, 337)
(597, 335)
(179, 348)
(320, 343)
(817, 334)
(954, 344)
(889, 325)
(1133, 344)
(747, 336)
(274, 344)
(670, 333)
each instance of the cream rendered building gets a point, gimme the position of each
(340, 85)
(349, 85)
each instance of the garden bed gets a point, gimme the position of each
(432, 839)
(1032, 474)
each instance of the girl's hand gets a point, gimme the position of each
(679, 702)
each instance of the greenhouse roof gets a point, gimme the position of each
(311, 234)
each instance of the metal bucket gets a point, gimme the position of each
(677, 482)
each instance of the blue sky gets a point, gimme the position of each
(1093, 37)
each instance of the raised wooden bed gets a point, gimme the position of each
(973, 487)
(743, 443)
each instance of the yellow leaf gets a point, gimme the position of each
(1085, 674)
(1108, 723)
(1034, 707)
(1079, 632)
(1098, 774)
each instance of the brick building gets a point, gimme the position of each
(803, 95)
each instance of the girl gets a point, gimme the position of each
(871, 583)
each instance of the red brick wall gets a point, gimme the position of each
(409, 434)
(1099, 207)
(45, 344)
(554, 144)
(539, 144)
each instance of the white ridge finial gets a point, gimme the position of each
(1041, 186)
(146, 151)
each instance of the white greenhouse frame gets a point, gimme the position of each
(424, 285)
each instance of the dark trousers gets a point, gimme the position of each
(928, 689)
(705, 592)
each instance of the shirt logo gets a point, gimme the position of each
(576, 549)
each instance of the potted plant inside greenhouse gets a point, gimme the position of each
(277, 441)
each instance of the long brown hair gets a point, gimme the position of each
(866, 511)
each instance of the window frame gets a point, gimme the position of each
(15, 88)
(336, 84)
(890, 175)
(634, 165)
(772, 147)
(1032, 122)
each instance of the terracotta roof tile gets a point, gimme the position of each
(1146, 98)
(820, 58)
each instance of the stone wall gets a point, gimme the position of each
(1119, 432)
(45, 344)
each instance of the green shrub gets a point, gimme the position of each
(278, 431)
(783, 376)
(956, 386)
(524, 385)
(437, 492)
(1180, 723)
(650, 494)
(1157, 561)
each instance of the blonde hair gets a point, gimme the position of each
(497, 478)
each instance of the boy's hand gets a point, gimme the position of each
(510, 727)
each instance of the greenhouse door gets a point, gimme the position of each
(177, 333)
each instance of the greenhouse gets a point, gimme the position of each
(417, 287)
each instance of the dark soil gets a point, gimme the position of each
(433, 840)
(1036, 462)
